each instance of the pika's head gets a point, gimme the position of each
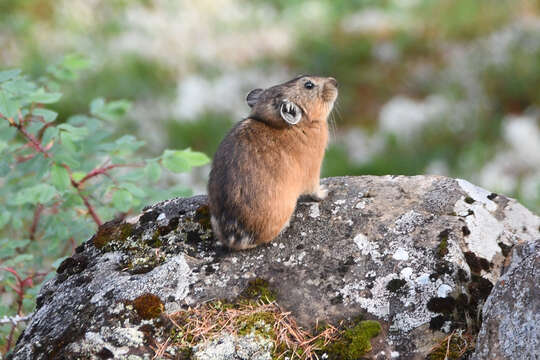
(302, 100)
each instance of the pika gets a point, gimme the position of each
(268, 160)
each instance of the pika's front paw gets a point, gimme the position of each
(320, 194)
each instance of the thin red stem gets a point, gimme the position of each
(37, 214)
(43, 128)
(32, 141)
(19, 290)
(103, 169)
(14, 326)
(89, 206)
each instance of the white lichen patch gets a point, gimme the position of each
(415, 296)
(446, 327)
(477, 194)
(423, 279)
(366, 246)
(484, 228)
(455, 255)
(375, 294)
(105, 338)
(127, 336)
(228, 346)
(360, 205)
(159, 281)
(524, 225)
(408, 222)
(358, 293)
(444, 290)
(314, 211)
(406, 273)
(401, 254)
(161, 218)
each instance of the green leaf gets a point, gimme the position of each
(7, 133)
(45, 193)
(76, 62)
(90, 123)
(109, 111)
(42, 97)
(195, 158)
(126, 144)
(76, 133)
(60, 177)
(8, 247)
(3, 145)
(22, 258)
(9, 74)
(134, 189)
(78, 175)
(4, 167)
(70, 200)
(69, 67)
(68, 142)
(8, 106)
(50, 133)
(17, 223)
(4, 217)
(40, 193)
(174, 161)
(183, 160)
(65, 157)
(20, 86)
(152, 170)
(35, 168)
(46, 114)
(97, 105)
(122, 200)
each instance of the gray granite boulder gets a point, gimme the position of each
(511, 314)
(418, 254)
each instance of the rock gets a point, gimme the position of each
(511, 314)
(418, 254)
(234, 348)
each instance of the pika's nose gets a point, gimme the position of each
(333, 81)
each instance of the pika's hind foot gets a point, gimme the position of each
(320, 194)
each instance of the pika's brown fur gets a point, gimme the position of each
(267, 161)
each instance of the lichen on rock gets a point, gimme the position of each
(419, 255)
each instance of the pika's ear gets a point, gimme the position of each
(290, 112)
(253, 97)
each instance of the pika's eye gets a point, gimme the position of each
(309, 85)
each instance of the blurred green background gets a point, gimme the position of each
(441, 87)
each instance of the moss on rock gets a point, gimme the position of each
(355, 341)
(259, 289)
(442, 249)
(259, 324)
(116, 230)
(395, 285)
(148, 306)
